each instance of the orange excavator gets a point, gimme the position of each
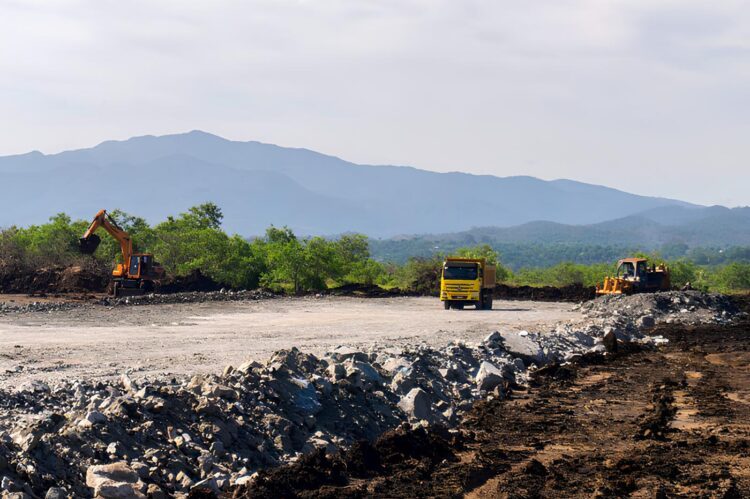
(138, 273)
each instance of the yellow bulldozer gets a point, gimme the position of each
(634, 275)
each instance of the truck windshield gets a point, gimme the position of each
(460, 273)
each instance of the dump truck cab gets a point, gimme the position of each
(635, 276)
(467, 281)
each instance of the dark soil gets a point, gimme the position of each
(572, 293)
(86, 277)
(194, 281)
(368, 291)
(672, 422)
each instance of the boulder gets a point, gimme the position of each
(154, 492)
(343, 353)
(646, 321)
(610, 341)
(364, 371)
(92, 418)
(56, 493)
(489, 376)
(416, 404)
(493, 339)
(114, 481)
(524, 345)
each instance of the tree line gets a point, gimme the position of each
(281, 260)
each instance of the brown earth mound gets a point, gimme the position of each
(194, 281)
(404, 451)
(86, 277)
(572, 293)
(368, 291)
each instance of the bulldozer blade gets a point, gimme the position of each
(88, 245)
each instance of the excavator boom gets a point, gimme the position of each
(90, 241)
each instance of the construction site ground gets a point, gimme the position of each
(97, 342)
(646, 423)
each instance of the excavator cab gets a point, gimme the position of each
(143, 265)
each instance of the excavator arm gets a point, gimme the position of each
(90, 241)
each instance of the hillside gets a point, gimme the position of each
(538, 243)
(261, 184)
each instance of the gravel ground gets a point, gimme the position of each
(98, 342)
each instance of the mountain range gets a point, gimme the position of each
(259, 184)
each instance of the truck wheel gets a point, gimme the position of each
(446, 305)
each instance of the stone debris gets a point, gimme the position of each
(189, 297)
(164, 437)
(36, 307)
(149, 299)
(684, 307)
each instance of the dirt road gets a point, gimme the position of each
(674, 422)
(94, 341)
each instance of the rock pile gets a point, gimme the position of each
(685, 307)
(12, 308)
(158, 437)
(189, 297)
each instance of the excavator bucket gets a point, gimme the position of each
(87, 245)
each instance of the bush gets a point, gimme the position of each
(194, 240)
(733, 277)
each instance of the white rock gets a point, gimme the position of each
(489, 376)
(92, 418)
(416, 404)
(114, 481)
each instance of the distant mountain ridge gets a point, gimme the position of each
(671, 231)
(260, 184)
(709, 226)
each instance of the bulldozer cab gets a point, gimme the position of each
(632, 269)
(635, 276)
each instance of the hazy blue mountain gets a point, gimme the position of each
(261, 184)
(714, 226)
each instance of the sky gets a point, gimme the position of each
(648, 96)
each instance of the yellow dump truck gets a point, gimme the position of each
(467, 281)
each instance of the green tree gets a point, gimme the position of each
(321, 263)
(204, 216)
(285, 259)
(734, 277)
(681, 272)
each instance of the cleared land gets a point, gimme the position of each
(97, 342)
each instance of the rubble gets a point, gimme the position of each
(684, 307)
(189, 297)
(44, 307)
(149, 299)
(163, 436)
